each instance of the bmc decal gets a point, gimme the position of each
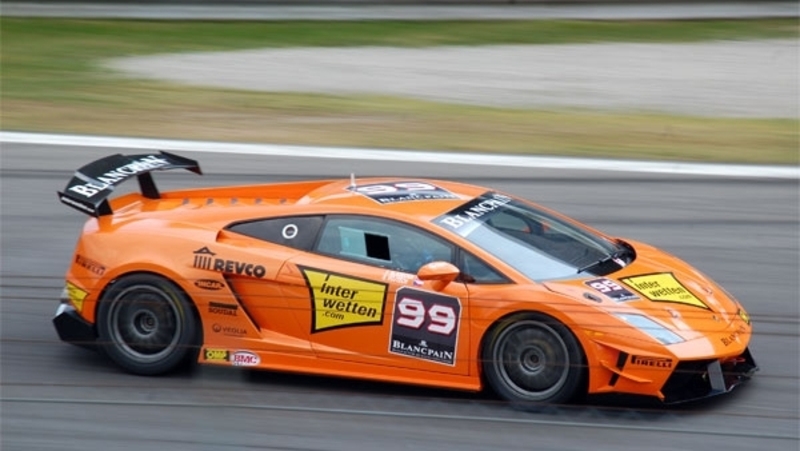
(654, 362)
(209, 284)
(611, 289)
(244, 358)
(219, 308)
(393, 192)
(473, 210)
(425, 325)
(663, 287)
(340, 301)
(238, 358)
(205, 259)
(89, 264)
(216, 354)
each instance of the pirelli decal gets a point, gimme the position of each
(89, 264)
(653, 362)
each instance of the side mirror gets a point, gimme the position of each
(439, 273)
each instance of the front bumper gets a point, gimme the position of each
(697, 379)
(72, 328)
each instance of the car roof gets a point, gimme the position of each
(217, 206)
(405, 196)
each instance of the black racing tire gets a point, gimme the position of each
(146, 324)
(532, 360)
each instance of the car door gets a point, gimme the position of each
(358, 297)
(270, 242)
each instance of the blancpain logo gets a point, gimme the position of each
(465, 216)
(94, 186)
(421, 350)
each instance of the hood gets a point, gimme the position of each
(661, 287)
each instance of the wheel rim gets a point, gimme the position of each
(144, 323)
(532, 360)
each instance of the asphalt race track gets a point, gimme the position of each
(742, 232)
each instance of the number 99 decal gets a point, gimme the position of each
(425, 325)
(442, 319)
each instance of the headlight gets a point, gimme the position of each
(652, 328)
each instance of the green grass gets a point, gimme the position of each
(51, 81)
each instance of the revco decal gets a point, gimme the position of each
(205, 259)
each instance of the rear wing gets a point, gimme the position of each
(89, 188)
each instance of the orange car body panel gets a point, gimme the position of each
(257, 299)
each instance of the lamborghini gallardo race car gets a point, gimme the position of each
(411, 281)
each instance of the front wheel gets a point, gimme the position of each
(146, 324)
(533, 359)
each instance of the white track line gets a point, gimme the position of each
(519, 161)
(330, 10)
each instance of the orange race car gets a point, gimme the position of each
(405, 280)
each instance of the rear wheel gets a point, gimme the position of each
(146, 324)
(532, 360)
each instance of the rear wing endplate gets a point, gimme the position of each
(89, 188)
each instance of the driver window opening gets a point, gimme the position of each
(382, 243)
(360, 243)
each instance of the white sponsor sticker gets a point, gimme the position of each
(245, 358)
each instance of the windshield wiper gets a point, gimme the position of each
(606, 259)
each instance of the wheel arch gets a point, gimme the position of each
(172, 277)
(587, 353)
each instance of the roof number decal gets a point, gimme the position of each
(406, 191)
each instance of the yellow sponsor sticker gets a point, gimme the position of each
(663, 287)
(744, 316)
(216, 354)
(76, 296)
(342, 301)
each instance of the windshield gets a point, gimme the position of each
(535, 243)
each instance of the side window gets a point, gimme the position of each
(381, 242)
(298, 232)
(474, 270)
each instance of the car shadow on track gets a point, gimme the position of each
(327, 390)
(623, 407)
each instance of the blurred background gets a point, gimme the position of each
(710, 81)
